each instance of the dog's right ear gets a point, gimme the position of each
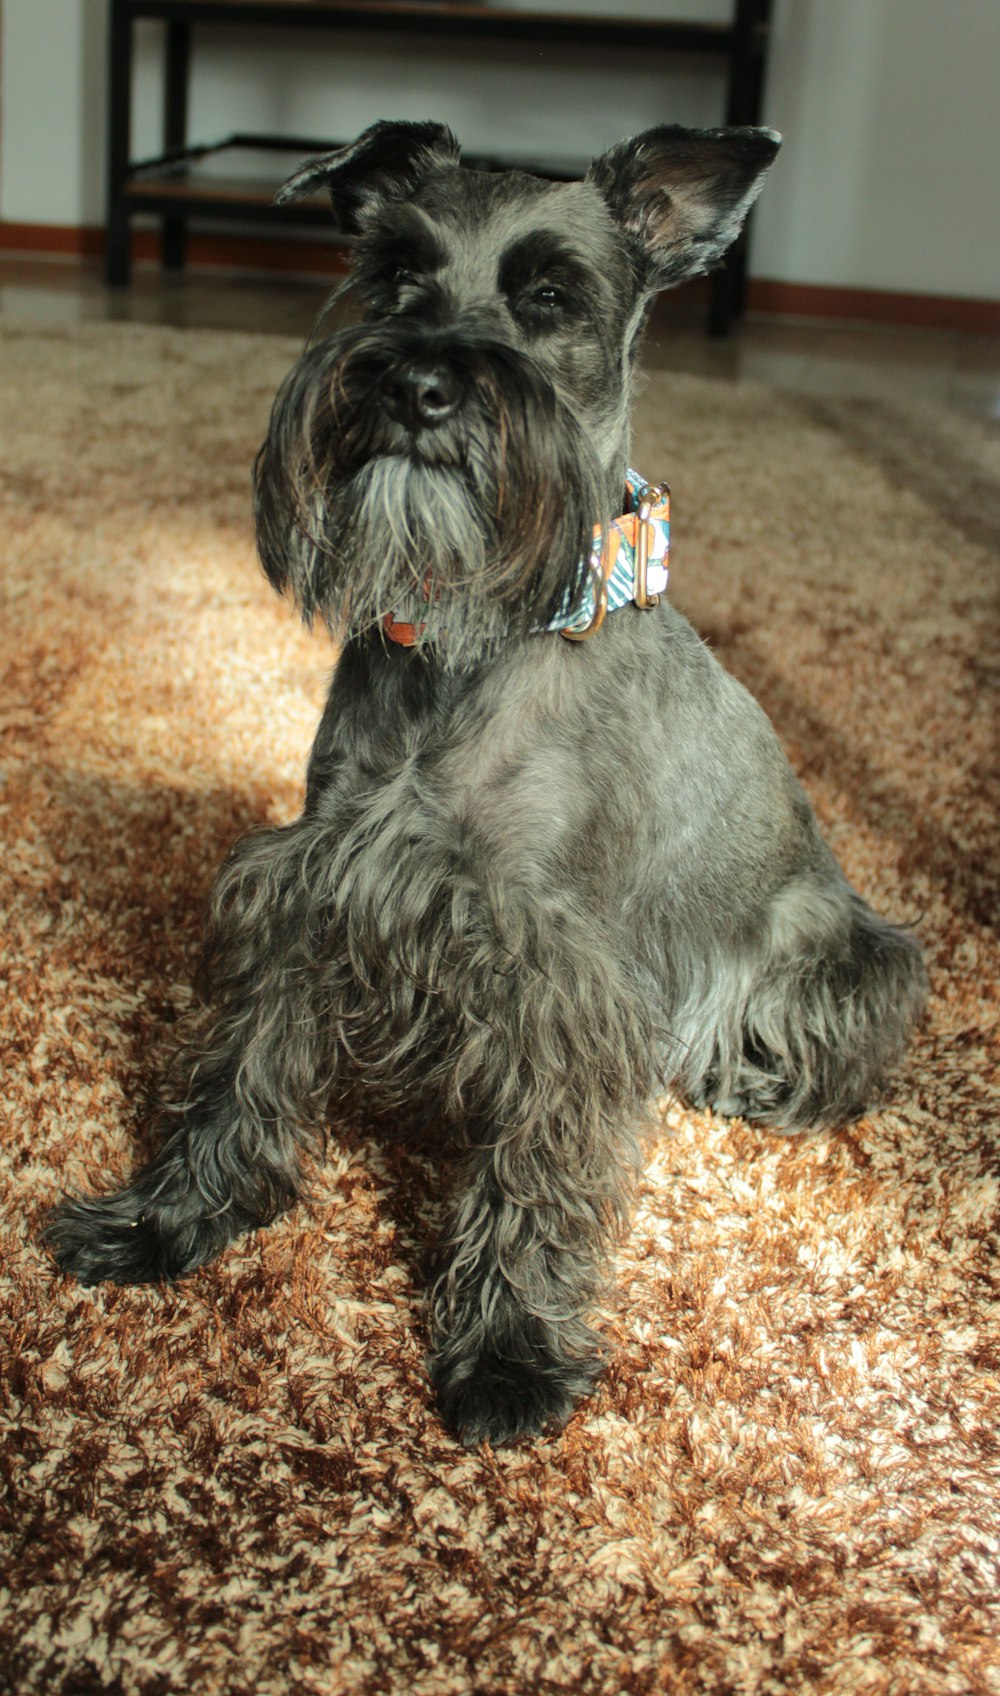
(388, 160)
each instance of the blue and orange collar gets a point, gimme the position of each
(628, 566)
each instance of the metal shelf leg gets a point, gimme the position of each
(175, 114)
(116, 252)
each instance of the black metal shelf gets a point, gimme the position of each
(218, 179)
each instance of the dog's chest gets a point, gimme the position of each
(516, 788)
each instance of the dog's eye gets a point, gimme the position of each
(402, 277)
(544, 306)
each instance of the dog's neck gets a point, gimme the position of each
(627, 566)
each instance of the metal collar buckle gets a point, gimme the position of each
(600, 586)
(654, 496)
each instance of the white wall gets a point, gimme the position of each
(888, 107)
(889, 176)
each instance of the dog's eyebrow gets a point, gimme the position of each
(543, 253)
(406, 240)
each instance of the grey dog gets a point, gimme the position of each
(536, 880)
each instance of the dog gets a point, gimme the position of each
(552, 860)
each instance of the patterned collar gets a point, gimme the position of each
(627, 567)
(630, 565)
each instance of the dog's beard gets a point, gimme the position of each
(473, 530)
(413, 525)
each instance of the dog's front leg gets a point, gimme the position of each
(553, 1081)
(513, 1351)
(238, 1094)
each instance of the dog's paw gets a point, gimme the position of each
(755, 1109)
(760, 1099)
(785, 1111)
(106, 1240)
(501, 1400)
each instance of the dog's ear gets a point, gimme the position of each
(683, 194)
(388, 160)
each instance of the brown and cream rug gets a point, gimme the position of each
(789, 1480)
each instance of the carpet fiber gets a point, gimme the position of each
(789, 1479)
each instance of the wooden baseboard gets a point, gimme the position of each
(283, 256)
(204, 252)
(876, 306)
(64, 241)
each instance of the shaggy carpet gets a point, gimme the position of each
(789, 1479)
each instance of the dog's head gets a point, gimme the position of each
(469, 431)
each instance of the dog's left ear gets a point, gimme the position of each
(389, 160)
(683, 194)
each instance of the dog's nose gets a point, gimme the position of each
(421, 393)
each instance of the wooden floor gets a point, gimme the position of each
(947, 368)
